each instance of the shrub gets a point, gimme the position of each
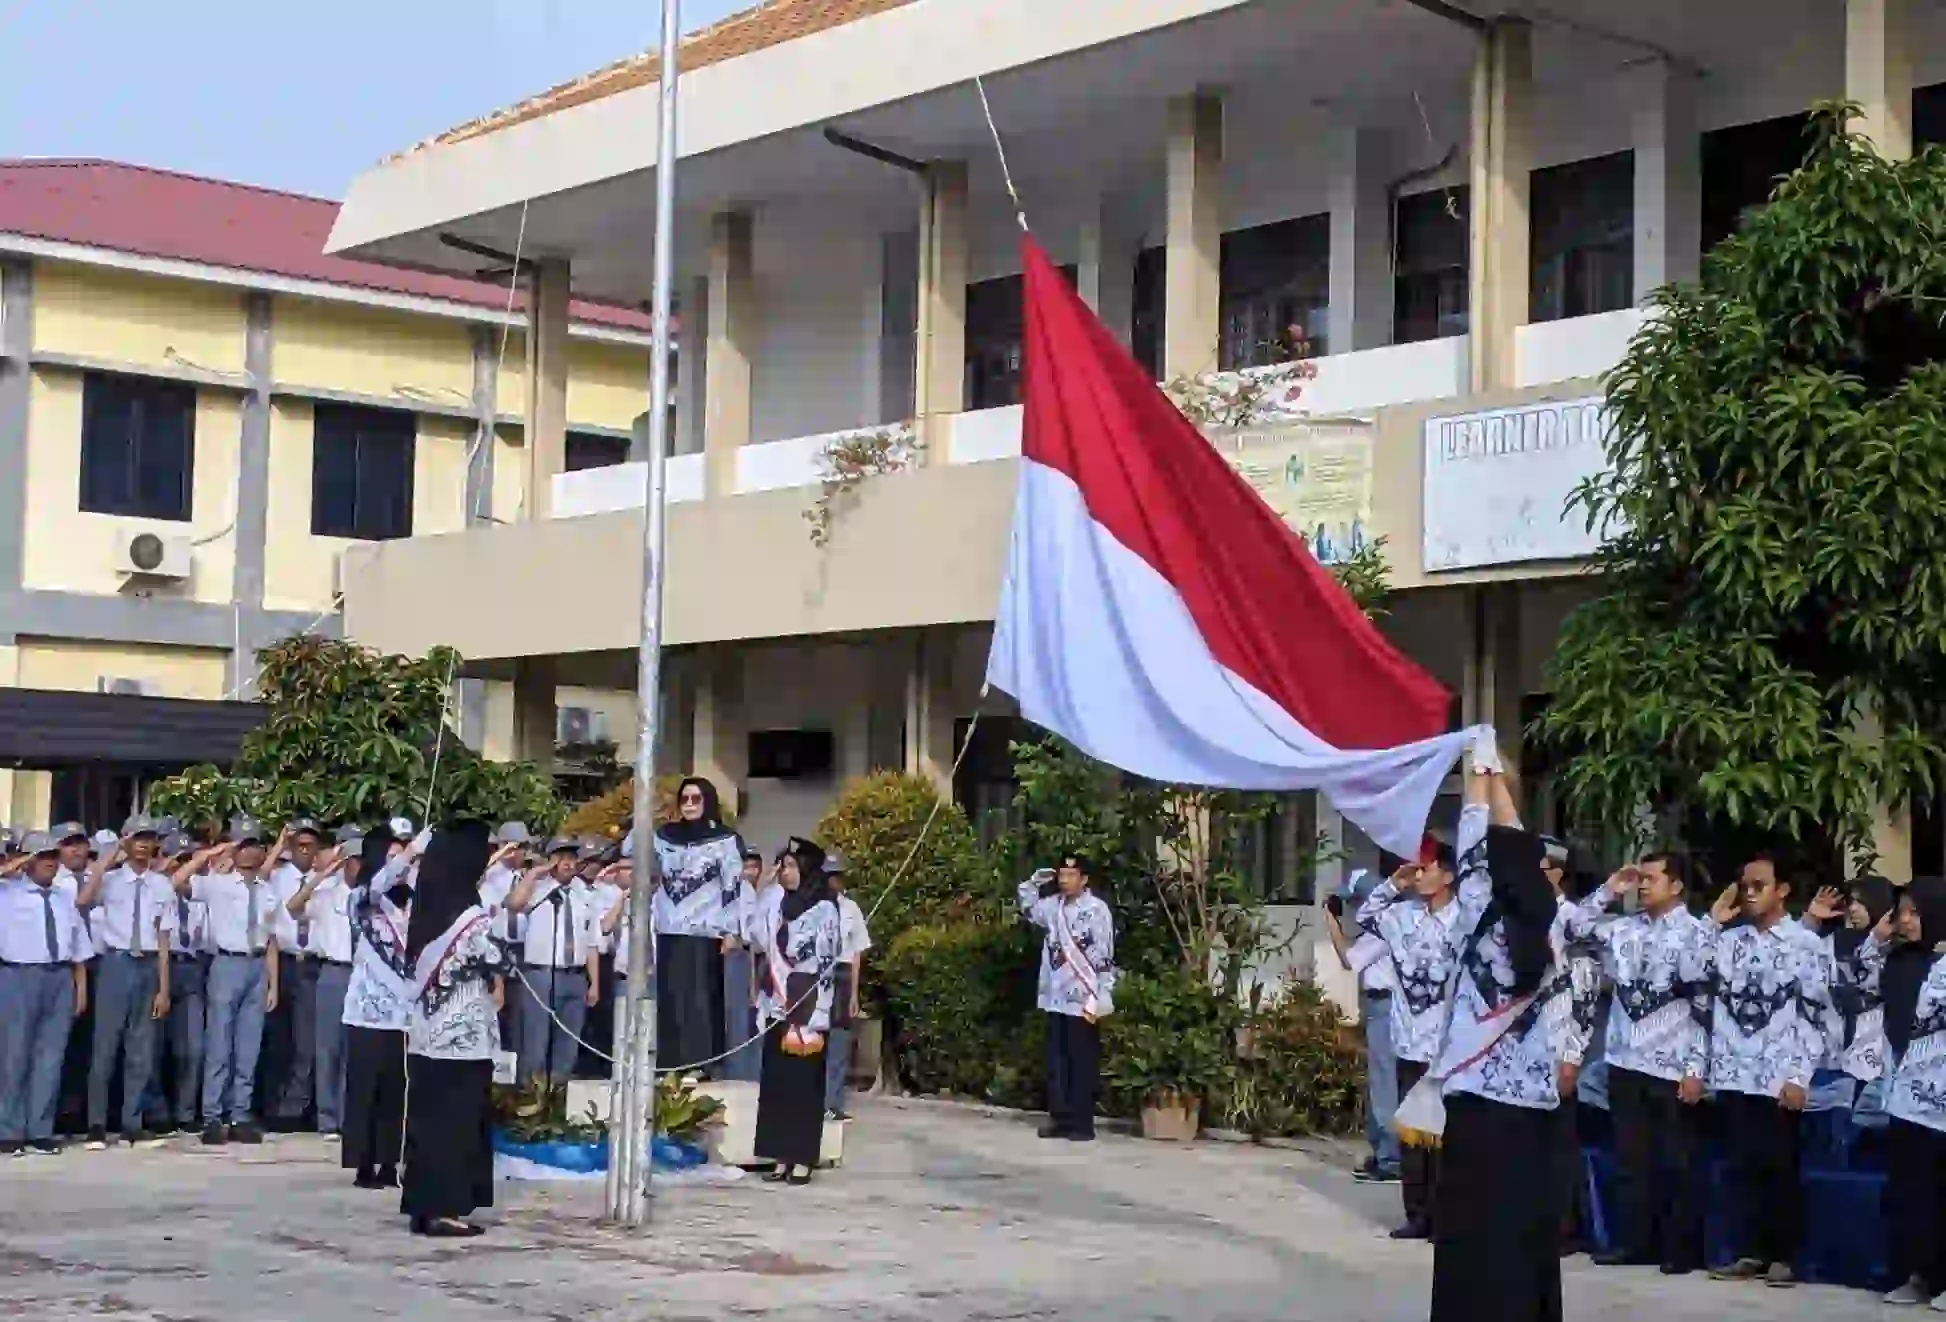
(1301, 1069)
(1170, 1033)
(960, 996)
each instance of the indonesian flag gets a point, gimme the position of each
(1162, 618)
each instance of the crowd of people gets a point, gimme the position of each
(1665, 1026)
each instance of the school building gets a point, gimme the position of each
(200, 414)
(1463, 207)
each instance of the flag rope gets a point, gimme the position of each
(1000, 149)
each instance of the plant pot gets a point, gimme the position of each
(867, 1046)
(1170, 1117)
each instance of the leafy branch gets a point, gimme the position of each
(848, 461)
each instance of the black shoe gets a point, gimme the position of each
(442, 1228)
(1411, 1232)
(162, 1129)
(388, 1177)
(366, 1180)
(799, 1180)
(1617, 1258)
(215, 1134)
(1376, 1175)
(1081, 1136)
(46, 1147)
(1674, 1268)
(141, 1138)
(777, 1174)
(97, 1138)
(245, 1132)
(840, 1115)
(1052, 1130)
(12, 1147)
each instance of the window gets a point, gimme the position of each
(361, 472)
(138, 446)
(587, 449)
(1741, 167)
(1274, 277)
(1928, 130)
(1583, 228)
(1429, 285)
(1150, 306)
(995, 331)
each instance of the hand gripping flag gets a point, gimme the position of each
(1162, 618)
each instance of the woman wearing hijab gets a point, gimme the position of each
(695, 908)
(1855, 1018)
(800, 940)
(452, 1036)
(375, 1013)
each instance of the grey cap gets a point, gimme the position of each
(138, 824)
(512, 833)
(351, 844)
(245, 831)
(167, 825)
(304, 826)
(176, 844)
(562, 844)
(38, 843)
(104, 839)
(349, 834)
(834, 862)
(66, 831)
(401, 827)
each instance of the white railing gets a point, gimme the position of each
(1550, 351)
(621, 487)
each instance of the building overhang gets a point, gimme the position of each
(44, 730)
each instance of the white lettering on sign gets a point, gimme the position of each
(1498, 483)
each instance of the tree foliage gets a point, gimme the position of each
(1774, 579)
(352, 736)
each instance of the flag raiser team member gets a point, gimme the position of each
(1076, 989)
(44, 952)
(375, 1010)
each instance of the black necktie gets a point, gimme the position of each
(47, 917)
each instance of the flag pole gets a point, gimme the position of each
(631, 1159)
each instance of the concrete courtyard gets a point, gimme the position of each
(940, 1213)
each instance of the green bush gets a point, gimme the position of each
(961, 996)
(1170, 1033)
(1300, 1070)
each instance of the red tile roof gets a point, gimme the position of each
(178, 217)
(771, 23)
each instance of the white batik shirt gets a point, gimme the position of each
(1658, 1018)
(807, 944)
(700, 887)
(1855, 1002)
(1771, 996)
(452, 1016)
(1086, 924)
(1917, 1091)
(379, 994)
(1425, 945)
(1571, 997)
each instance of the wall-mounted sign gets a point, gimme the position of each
(1318, 478)
(1498, 482)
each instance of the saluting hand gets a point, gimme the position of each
(1826, 904)
(1724, 911)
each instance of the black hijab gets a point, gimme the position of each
(707, 827)
(1908, 962)
(449, 882)
(1525, 902)
(1875, 893)
(372, 860)
(812, 888)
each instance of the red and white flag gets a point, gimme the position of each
(1161, 617)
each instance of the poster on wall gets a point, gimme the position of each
(1317, 479)
(1498, 483)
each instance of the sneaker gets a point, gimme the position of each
(245, 1132)
(97, 1138)
(144, 1138)
(1939, 1304)
(215, 1134)
(1411, 1232)
(1081, 1136)
(1051, 1130)
(162, 1128)
(1743, 1269)
(45, 1147)
(1912, 1292)
(1376, 1175)
(841, 1114)
(331, 1136)
(11, 1147)
(1781, 1277)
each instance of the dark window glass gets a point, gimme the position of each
(1929, 125)
(1150, 306)
(361, 472)
(594, 450)
(1429, 285)
(1741, 167)
(1274, 278)
(1583, 229)
(995, 331)
(138, 446)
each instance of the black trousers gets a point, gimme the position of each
(1763, 1146)
(1073, 1072)
(374, 1120)
(1418, 1166)
(1497, 1254)
(1657, 1165)
(1570, 1175)
(1916, 1163)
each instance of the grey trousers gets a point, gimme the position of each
(837, 1067)
(181, 1037)
(36, 1011)
(1381, 1080)
(234, 1037)
(544, 1048)
(297, 990)
(333, 979)
(124, 1034)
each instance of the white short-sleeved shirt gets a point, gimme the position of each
(854, 938)
(329, 914)
(560, 933)
(292, 936)
(241, 921)
(134, 909)
(70, 881)
(24, 912)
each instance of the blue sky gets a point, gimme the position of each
(293, 94)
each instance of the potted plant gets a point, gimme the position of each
(1168, 1048)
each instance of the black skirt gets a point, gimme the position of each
(1496, 1252)
(790, 1105)
(448, 1152)
(374, 1116)
(688, 1001)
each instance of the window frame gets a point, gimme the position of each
(143, 400)
(368, 423)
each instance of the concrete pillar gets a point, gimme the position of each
(855, 720)
(1878, 72)
(1105, 273)
(939, 387)
(720, 745)
(486, 393)
(1361, 241)
(1668, 175)
(535, 702)
(1490, 686)
(732, 331)
(252, 490)
(1192, 316)
(692, 380)
(1502, 161)
(547, 384)
(929, 709)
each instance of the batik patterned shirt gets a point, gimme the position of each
(808, 944)
(379, 994)
(1571, 998)
(1425, 947)
(699, 894)
(1771, 995)
(1088, 924)
(1916, 1092)
(1660, 968)
(452, 1016)
(1855, 1019)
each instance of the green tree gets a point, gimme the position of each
(352, 736)
(1774, 579)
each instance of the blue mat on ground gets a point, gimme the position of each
(670, 1155)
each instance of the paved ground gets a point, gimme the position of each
(940, 1214)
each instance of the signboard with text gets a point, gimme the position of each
(1498, 482)
(1317, 478)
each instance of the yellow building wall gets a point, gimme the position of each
(73, 551)
(510, 386)
(64, 665)
(608, 384)
(137, 319)
(509, 473)
(369, 351)
(439, 475)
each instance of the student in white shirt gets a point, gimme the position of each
(43, 986)
(322, 902)
(854, 939)
(560, 956)
(290, 1035)
(179, 1038)
(243, 977)
(512, 854)
(134, 918)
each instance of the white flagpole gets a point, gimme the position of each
(631, 1159)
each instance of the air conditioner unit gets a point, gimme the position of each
(152, 555)
(572, 725)
(121, 686)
